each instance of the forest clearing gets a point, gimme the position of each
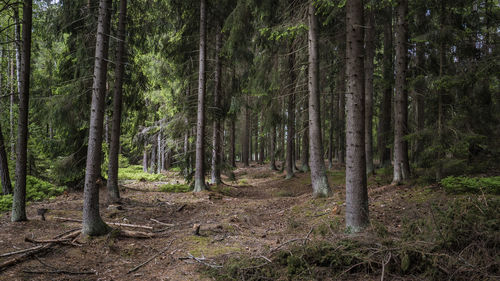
(249, 140)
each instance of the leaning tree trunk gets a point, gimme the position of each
(199, 176)
(112, 184)
(291, 118)
(317, 164)
(384, 125)
(401, 165)
(93, 224)
(216, 141)
(369, 55)
(19, 199)
(356, 192)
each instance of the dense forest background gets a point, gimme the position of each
(92, 92)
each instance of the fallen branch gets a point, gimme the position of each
(21, 251)
(201, 260)
(151, 258)
(59, 272)
(47, 241)
(135, 234)
(110, 223)
(162, 223)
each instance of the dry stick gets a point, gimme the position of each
(46, 241)
(201, 260)
(151, 258)
(110, 223)
(35, 250)
(162, 223)
(384, 263)
(21, 251)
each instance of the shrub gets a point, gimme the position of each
(471, 185)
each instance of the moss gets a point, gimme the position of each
(175, 188)
(202, 245)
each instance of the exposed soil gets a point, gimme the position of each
(252, 215)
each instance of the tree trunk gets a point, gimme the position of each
(232, 146)
(11, 112)
(93, 224)
(290, 163)
(17, 36)
(261, 139)
(385, 107)
(245, 138)
(341, 112)
(159, 152)
(144, 158)
(420, 87)
(19, 199)
(356, 191)
(4, 167)
(216, 141)
(317, 164)
(369, 56)
(199, 177)
(272, 151)
(332, 129)
(442, 50)
(401, 165)
(304, 153)
(112, 184)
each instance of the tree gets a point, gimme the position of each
(112, 184)
(317, 164)
(199, 177)
(19, 199)
(4, 167)
(401, 164)
(216, 143)
(291, 117)
(369, 56)
(92, 222)
(356, 191)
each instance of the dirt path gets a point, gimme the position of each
(251, 216)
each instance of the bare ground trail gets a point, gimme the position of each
(254, 215)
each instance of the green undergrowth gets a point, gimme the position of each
(36, 190)
(177, 188)
(135, 172)
(459, 185)
(457, 240)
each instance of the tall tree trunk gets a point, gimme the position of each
(216, 141)
(159, 152)
(442, 50)
(11, 112)
(304, 153)
(261, 139)
(341, 113)
(356, 191)
(332, 129)
(4, 167)
(112, 184)
(420, 86)
(272, 151)
(290, 163)
(145, 158)
(93, 224)
(369, 56)
(17, 36)
(199, 177)
(232, 145)
(19, 199)
(385, 107)
(245, 138)
(401, 165)
(317, 164)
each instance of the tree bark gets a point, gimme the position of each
(11, 112)
(261, 138)
(369, 56)
(199, 177)
(290, 163)
(272, 150)
(401, 165)
(112, 184)
(385, 109)
(17, 36)
(420, 87)
(319, 180)
(19, 199)
(245, 138)
(356, 191)
(145, 158)
(4, 167)
(232, 146)
(332, 129)
(216, 140)
(93, 224)
(341, 112)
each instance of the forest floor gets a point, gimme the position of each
(253, 216)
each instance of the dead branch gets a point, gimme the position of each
(162, 223)
(135, 234)
(21, 251)
(59, 272)
(47, 241)
(201, 260)
(110, 223)
(151, 258)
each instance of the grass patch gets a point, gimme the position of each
(135, 172)
(175, 188)
(36, 190)
(203, 246)
(458, 185)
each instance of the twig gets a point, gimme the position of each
(384, 263)
(201, 260)
(110, 223)
(307, 236)
(151, 258)
(46, 241)
(21, 251)
(59, 272)
(162, 223)
(181, 207)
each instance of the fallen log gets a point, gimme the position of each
(110, 223)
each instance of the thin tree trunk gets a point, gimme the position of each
(304, 153)
(158, 153)
(356, 192)
(4, 167)
(332, 129)
(385, 109)
(93, 224)
(369, 56)
(17, 36)
(442, 50)
(272, 151)
(420, 87)
(19, 199)
(290, 163)
(232, 146)
(199, 177)
(245, 138)
(112, 184)
(341, 112)
(216, 141)
(11, 112)
(145, 158)
(261, 139)
(317, 164)
(401, 165)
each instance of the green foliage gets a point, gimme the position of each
(135, 172)
(36, 190)
(471, 185)
(176, 188)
